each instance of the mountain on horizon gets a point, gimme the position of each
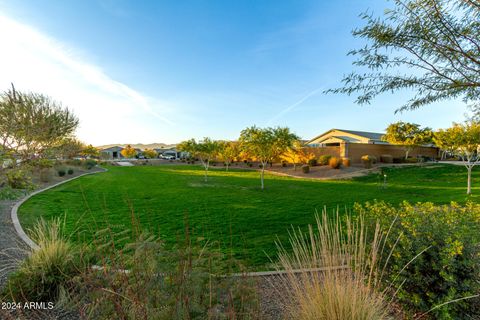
(139, 145)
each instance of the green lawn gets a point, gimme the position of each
(230, 209)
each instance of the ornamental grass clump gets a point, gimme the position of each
(333, 272)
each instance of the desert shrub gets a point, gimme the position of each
(19, 178)
(44, 163)
(368, 160)
(399, 160)
(447, 269)
(70, 171)
(305, 168)
(386, 158)
(284, 163)
(323, 160)
(312, 162)
(348, 287)
(346, 162)
(61, 172)
(46, 272)
(45, 175)
(335, 162)
(90, 163)
(8, 193)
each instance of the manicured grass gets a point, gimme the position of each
(230, 208)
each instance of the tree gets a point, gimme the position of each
(205, 150)
(266, 144)
(129, 152)
(445, 141)
(431, 47)
(33, 123)
(227, 151)
(295, 154)
(465, 140)
(69, 148)
(150, 153)
(410, 135)
(90, 152)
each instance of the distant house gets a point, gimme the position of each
(171, 152)
(354, 144)
(112, 153)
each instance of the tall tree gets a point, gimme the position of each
(32, 123)
(227, 152)
(465, 140)
(266, 144)
(129, 152)
(445, 141)
(431, 47)
(409, 135)
(295, 154)
(205, 150)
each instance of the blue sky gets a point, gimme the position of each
(165, 71)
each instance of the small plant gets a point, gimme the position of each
(70, 171)
(305, 168)
(19, 178)
(90, 163)
(323, 160)
(44, 163)
(250, 164)
(45, 175)
(386, 158)
(45, 273)
(335, 162)
(7, 193)
(61, 172)
(284, 164)
(346, 162)
(368, 160)
(312, 162)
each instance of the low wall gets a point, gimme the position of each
(355, 151)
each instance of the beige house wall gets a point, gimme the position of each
(356, 150)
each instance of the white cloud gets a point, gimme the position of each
(109, 111)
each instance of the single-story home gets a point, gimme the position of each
(354, 144)
(171, 152)
(112, 153)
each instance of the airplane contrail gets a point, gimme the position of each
(292, 106)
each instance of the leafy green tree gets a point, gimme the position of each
(150, 153)
(129, 152)
(465, 140)
(431, 47)
(266, 144)
(90, 152)
(445, 141)
(33, 123)
(68, 148)
(410, 135)
(227, 151)
(295, 154)
(205, 150)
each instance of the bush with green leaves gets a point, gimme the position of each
(61, 172)
(312, 162)
(19, 178)
(323, 160)
(89, 163)
(448, 237)
(70, 171)
(305, 168)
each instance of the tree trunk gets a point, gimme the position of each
(469, 180)
(294, 166)
(261, 175)
(406, 154)
(226, 165)
(205, 165)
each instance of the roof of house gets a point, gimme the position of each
(114, 148)
(364, 134)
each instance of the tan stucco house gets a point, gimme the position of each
(354, 144)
